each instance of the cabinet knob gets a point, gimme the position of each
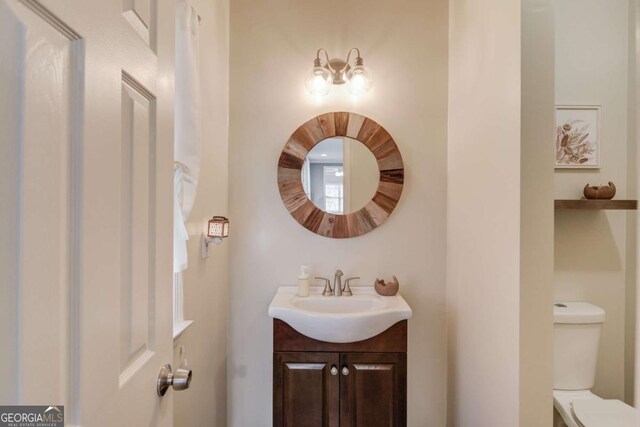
(345, 370)
(334, 370)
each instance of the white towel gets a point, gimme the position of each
(187, 128)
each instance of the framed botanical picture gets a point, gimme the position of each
(578, 136)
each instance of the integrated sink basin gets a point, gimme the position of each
(341, 319)
(340, 305)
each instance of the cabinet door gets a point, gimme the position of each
(305, 391)
(373, 390)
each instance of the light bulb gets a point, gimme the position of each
(359, 80)
(318, 81)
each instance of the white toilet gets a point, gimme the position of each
(576, 337)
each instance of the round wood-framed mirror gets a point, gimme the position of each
(294, 161)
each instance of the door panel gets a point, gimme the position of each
(140, 14)
(137, 302)
(41, 119)
(87, 206)
(373, 392)
(306, 393)
(11, 52)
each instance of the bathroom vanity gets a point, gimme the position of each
(340, 357)
(350, 381)
(316, 383)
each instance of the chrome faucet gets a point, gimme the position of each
(327, 287)
(337, 283)
(346, 291)
(337, 290)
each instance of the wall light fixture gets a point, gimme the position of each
(336, 71)
(217, 229)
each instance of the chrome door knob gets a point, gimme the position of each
(334, 370)
(179, 380)
(345, 370)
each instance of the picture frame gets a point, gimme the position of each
(578, 142)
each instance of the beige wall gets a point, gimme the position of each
(499, 213)
(272, 47)
(536, 213)
(482, 291)
(592, 253)
(634, 122)
(206, 281)
(632, 219)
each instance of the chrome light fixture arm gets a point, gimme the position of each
(336, 72)
(358, 60)
(318, 63)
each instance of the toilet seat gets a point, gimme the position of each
(581, 408)
(563, 399)
(604, 413)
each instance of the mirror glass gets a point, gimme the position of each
(340, 175)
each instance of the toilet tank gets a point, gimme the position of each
(576, 334)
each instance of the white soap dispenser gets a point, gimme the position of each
(304, 282)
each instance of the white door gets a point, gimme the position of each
(86, 161)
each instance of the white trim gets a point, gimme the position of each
(178, 329)
(178, 299)
(179, 323)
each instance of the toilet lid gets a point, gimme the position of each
(605, 413)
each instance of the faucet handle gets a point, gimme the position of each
(347, 290)
(328, 291)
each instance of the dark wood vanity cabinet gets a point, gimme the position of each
(306, 394)
(374, 391)
(320, 384)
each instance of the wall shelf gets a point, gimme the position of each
(593, 205)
